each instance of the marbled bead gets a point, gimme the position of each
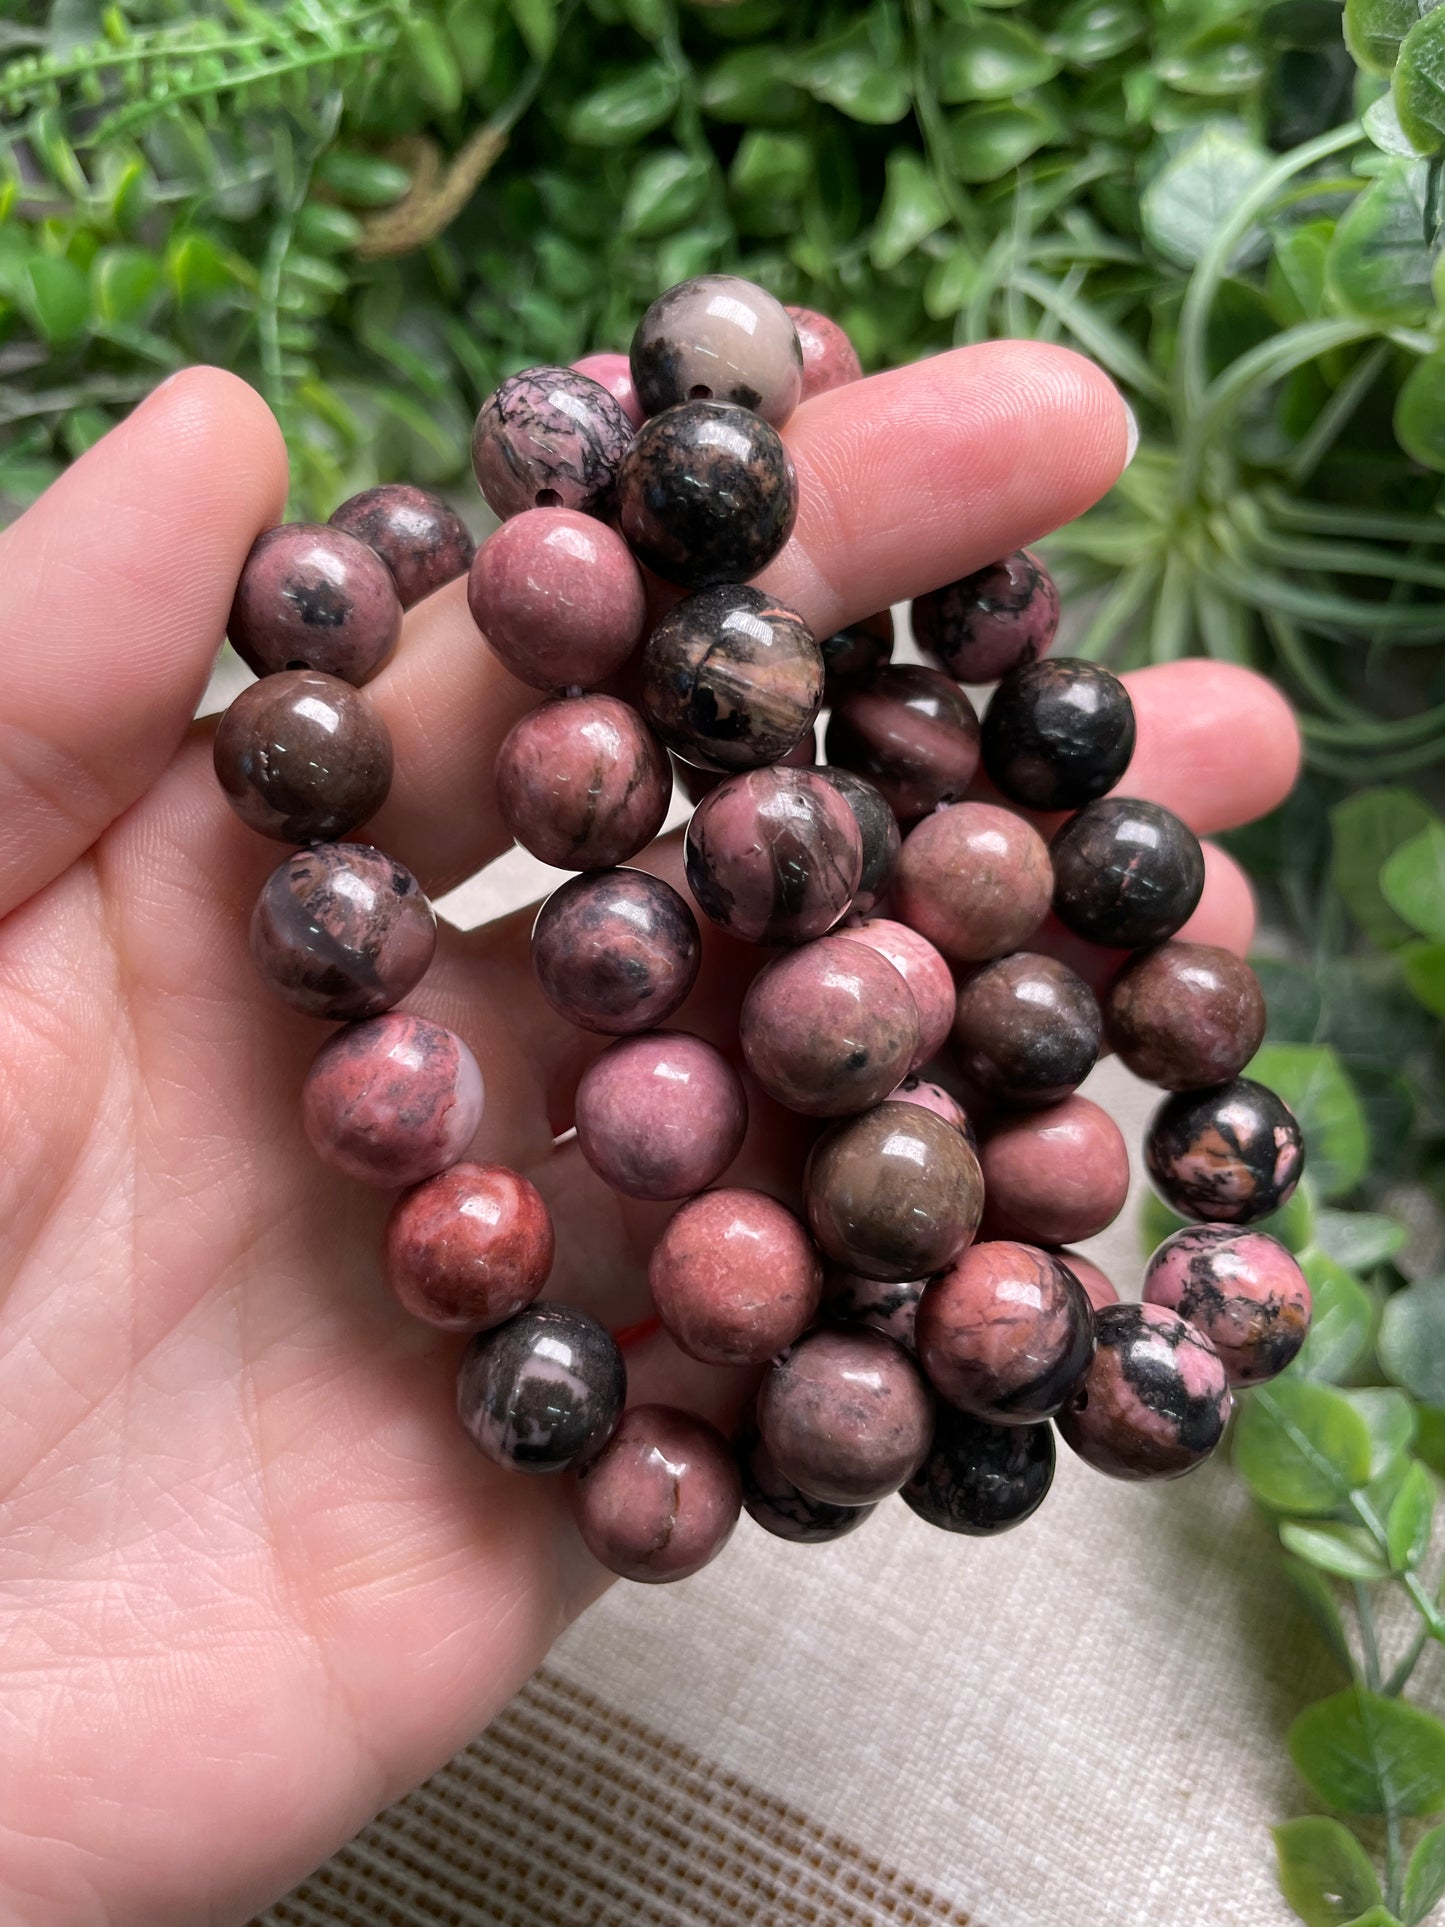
(615, 951)
(829, 1028)
(698, 783)
(851, 1299)
(661, 1498)
(845, 1415)
(1126, 873)
(421, 540)
(731, 678)
(558, 597)
(1026, 1030)
(942, 1103)
(878, 827)
(912, 732)
(303, 757)
(718, 338)
(980, 1478)
(1241, 1288)
(1054, 1176)
(1058, 733)
(829, 358)
(707, 494)
(894, 1194)
(582, 782)
(777, 1505)
(342, 931)
(661, 1115)
(1098, 1288)
(975, 880)
(1185, 1015)
(392, 1100)
(854, 654)
(924, 971)
(734, 1277)
(542, 1392)
(469, 1247)
(1154, 1401)
(313, 597)
(1005, 1332)
(990, 622)
(1233, 1153)
(614, 371)
(549, 438)
(774, 856)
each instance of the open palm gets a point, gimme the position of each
(254, 1581)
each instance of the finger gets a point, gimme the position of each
(114, 592)
(1217, 744)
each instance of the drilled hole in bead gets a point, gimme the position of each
(548, 498)
(298, 664)
(1080, 1401)
(700, 393)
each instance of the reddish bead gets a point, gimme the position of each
(734, 1277)
(313, 597)
(558, 597)
(990, 622)
(1098, 1289)
(469, 1247)
(925, 972)
(615, 951)
(660, 1116)
(1186, 1015)
(829, 1028)
(421, 540)
(303, 757)
(975, 880)
(829, 358)
(894, 1194)
(342, 931)
(1054, 1176)
(582, 782)
(774, 856)
(392, 1100)
(1154, 1401)
(912, 732)
(549, 438)
(661, 1498)
(614, 372)
(1005, 1332)
(1241, 1288)
(845, 1415)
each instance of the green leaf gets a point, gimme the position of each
(1420, 410)
(1390, 1420)
(988, 143)
(1358, 1240)
(950, 283)
(1379, 263)
(860, 72)
(1302, 1447)
(327, 229)
(1407, 1526)
(430, 64)
(1319, 1601)
(1315, 1085)
(1382, 124)
(537, 23)
(1413, 880)
(472, 29)
(1324, 1872)
(1346, 1551)
(1090, 31)
(1363, 1753)
(1419, 84)
(992, 60)
(913, 208)
(622, 111)
(362, 180)
(665, 190)
(56, 298)
(1411, 1343)
(1376, 1917)
(1339, 1330)
(1374, 30)
(1194, 194)
(749, 86)
(1423, 965)
(125, 286)
(1425, 1876)
(1368, 828)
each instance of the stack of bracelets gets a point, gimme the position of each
(895, 1349)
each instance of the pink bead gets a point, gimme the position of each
(558, 597)
(1052, 1177)
(974, 879)
(392, 1100)
(829, 1028)
(468, 1248)
(734, 1277)
(829, 358)
(661, 1116)
(615, 374)
(942, 1103)
(582, 782)
(661, 1498)
(922, 968)
(1098, 1289)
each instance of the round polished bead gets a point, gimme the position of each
(582, 783)
(718, 338)
(734, 1277)
(774, 856)
(302, 757)
(990, 622)
(1054, 1176)
(878, 827)
(1127, 873)
(1098, 1288)
(975, 880)
(829, 358)
(1233, 1153)
(660, 1116)
(851, 1299)
(421, 540)
(614, 371)
(924, 971)
(980, 1478)
(1153, 1403)
(392, 1100)
(1005, 1332)
(942, 1103)
(777, 1505)
(829, 1029)
(854, 654)
(558, 597)
(698, 783)
(549, 438)
(1186, 1015)
(662, 1497)
(342, 931)
(912, 732)
(313, 597)
(732, 679)
(469, 1247)
(894, 1194)
(706, 494)
(1058, 733)
(845, 1415)
(1241, 1288)
(542, 1392)
(1026, 1030)
(615, 951)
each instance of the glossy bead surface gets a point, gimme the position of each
(1098, 1288)
(615, 951)
(313, 597)
(469, 1247)
(614, 371)
(392, 1100)
(661, 1498)
(1186, 1015)
(990, 622)
(1005, 1332)
(942, 1103)
(1232, 1154)
(707, 494)
(543, 1391)
(558, 597)
(829, 358)
(878, 827)
(1127, 873)
(894, 1194)
(1054, 1176)
(774, 856)
(924, 971)
(660, 1116)
(777, 1505)
(718, 338)
(829, 1029)
(851, 1299)
(421, 540)
(582, 782)
(1153, 1403)
(1241, 1288)
(731, 678)
(303, 757)
(549, 438)
(1026, 1030)
(1058, 733)
(852, 655)
(342, 931)
(734, 1277)
(912, 732)
(845, 1415)
(979, 1478)
(975, 880)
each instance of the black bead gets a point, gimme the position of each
(731, 678)
(543, 1391)
(1228, 1155)
(981, 1478)
(1126, 873)
(1058, 733)
(882, 838)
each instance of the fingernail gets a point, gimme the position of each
(1131, 423)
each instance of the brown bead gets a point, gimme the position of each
(734, 1277)
(1186, 1015)
(313, 597)
(421, 540)
(911, 731)
(1026, 1029)
(894, 1194)
(975, 880)
(342, 931)
(845, 1415)
(303, 757)
(468, 1248)
(661, 1498)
